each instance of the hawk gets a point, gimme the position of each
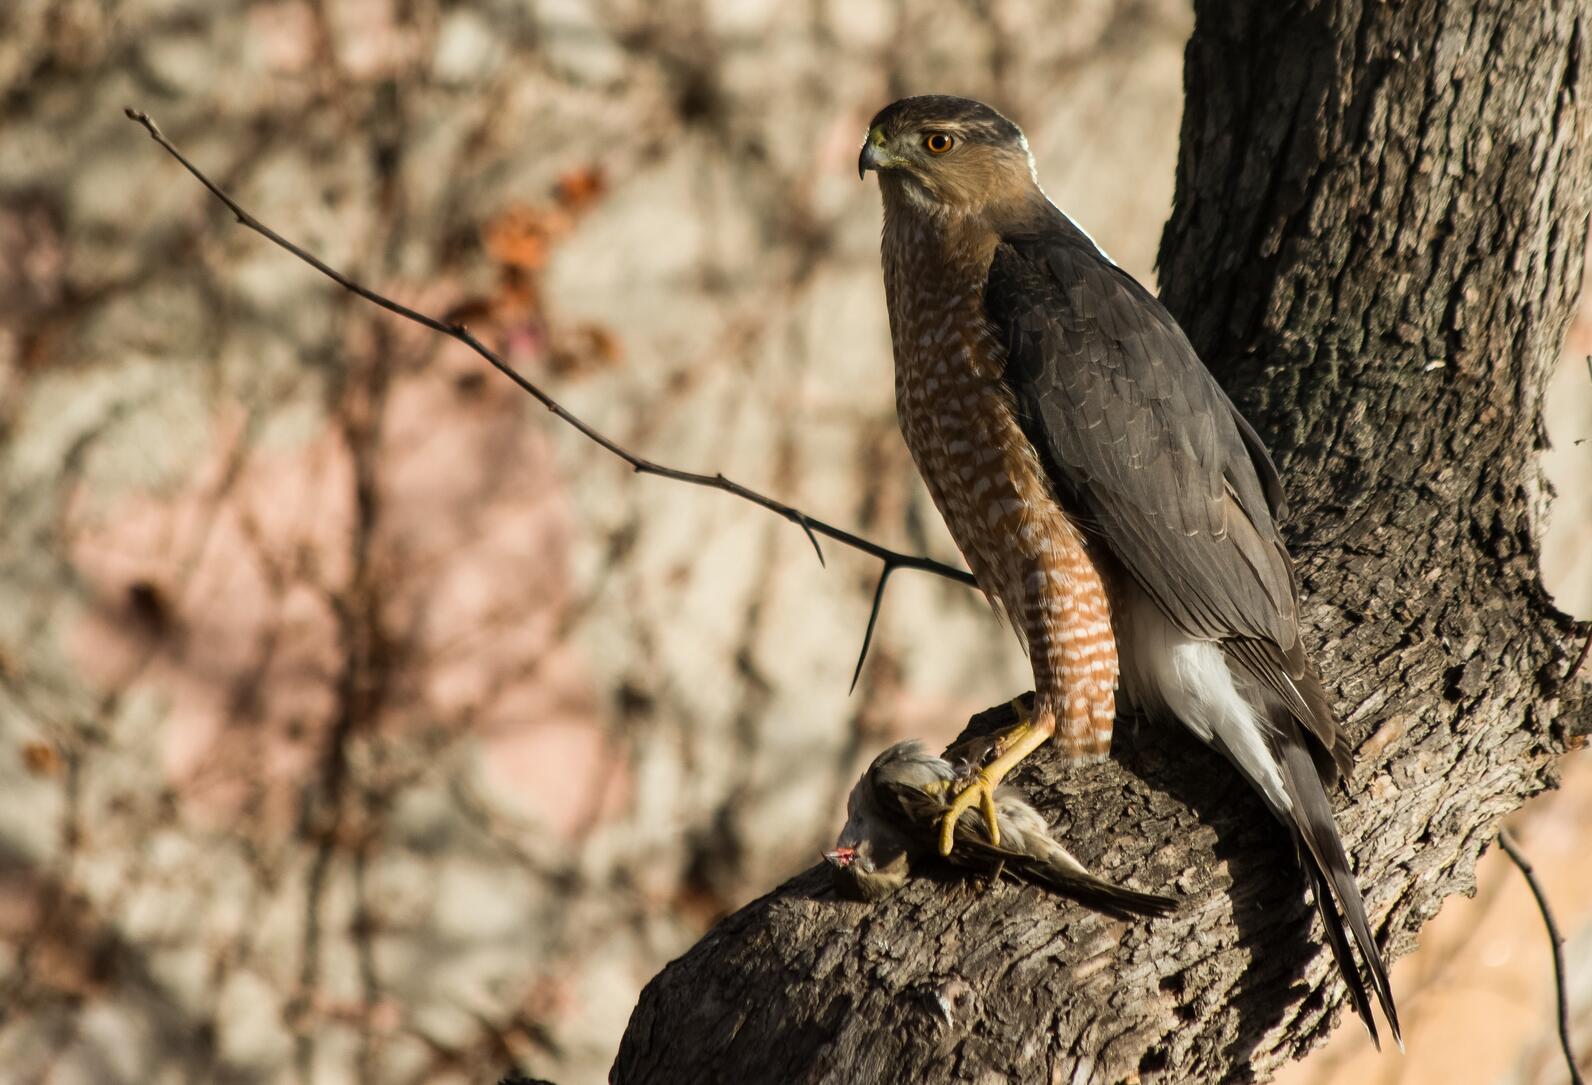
(1109, 498)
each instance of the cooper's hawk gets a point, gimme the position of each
(1107, 495)
(891, 819)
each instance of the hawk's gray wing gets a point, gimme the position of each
(1146, 450)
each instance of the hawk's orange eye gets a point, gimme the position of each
(938, 143)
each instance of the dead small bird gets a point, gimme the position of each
(892, 822)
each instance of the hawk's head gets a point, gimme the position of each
(945, 153)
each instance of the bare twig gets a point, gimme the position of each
(1506, 842)
(639, 464)
(1580, 660)
(873, 616)
(1582, 440)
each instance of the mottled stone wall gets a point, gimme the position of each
(358, 721)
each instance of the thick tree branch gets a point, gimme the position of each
(1377, 241)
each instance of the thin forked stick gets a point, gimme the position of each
(1557, 941)
(642, 466)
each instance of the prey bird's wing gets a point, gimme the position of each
(911, 787)
(1028, 851)
(1147, 451)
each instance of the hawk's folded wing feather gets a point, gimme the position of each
(1145, 448)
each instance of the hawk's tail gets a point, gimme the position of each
(1332, 882)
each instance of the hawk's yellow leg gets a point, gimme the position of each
(1013, 744)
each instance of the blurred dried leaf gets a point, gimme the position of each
(520, 237)
(41, 759)
(579, 189)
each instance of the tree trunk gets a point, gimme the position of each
(1380, 220)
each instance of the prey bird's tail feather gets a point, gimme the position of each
(1097, 893)
(1332, 881)
(1029, 850)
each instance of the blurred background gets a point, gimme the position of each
(359, 721)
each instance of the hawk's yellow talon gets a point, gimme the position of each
(980, 789)
(1013, 744)
(991, 819)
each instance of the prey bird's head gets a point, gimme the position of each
(872, 857)
(867, 867)
(890, 821)
(945, 154)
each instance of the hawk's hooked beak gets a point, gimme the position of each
(873, 156)
(867, 160)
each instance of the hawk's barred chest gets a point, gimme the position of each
(986, 478)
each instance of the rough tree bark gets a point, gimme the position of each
(1380, 220)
